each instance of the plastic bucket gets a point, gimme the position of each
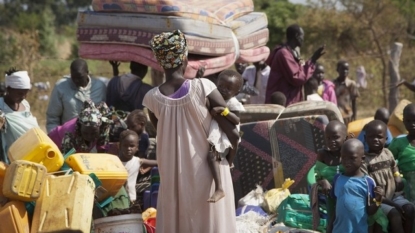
(128, 223)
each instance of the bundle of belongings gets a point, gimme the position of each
(218, 32)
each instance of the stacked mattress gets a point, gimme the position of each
(218, 32)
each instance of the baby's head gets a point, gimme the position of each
(335, 135)
(375, 135)
(352, 155)
(136, 121)
(128, 145)
(278, 98)
(313, 85)
(382, 114)
(409, 118)
(229, 83)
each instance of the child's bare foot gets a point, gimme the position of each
(217, 195)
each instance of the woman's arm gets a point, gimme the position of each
(153, 118)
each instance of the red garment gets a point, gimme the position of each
(287, 75)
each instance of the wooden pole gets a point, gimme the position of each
(395, 57)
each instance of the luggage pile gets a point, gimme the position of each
(218, 32)
(44, 191)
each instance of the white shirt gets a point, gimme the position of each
(314, 97)
(249, 75)
(132, 166)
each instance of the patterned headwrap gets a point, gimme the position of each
(170, 48)
(91, 115)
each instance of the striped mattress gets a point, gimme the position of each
(127, 53)
(249, 23)
(244, 25)
(212, 11)
(262, 112)
(153, 23)
(196, 45)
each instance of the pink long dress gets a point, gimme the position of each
(186, 181)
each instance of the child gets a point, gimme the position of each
(328, 162)
(278, 98)
(346, 93)
(311, 88)
(229, 84)
(328, 159)
(403, 149)
(325, 87)
(381, 166)
(128, 148)
(355, 193)
(381, 114)
(136, 121)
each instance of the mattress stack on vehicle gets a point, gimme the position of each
(218, 32)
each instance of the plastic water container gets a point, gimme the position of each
(24, 180)
(14, 218)
(394, 131)
(355, 127)
(3, 199)
(36, 146)
(3, 167)
(66, 205)
(396, 117)
(108, 168)
(128, 223)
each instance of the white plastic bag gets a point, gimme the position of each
(254, 198)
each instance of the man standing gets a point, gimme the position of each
(287, 74)
(126, 92)
(69, 95)
(257, 76)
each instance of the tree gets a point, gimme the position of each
(64, 11)
(362, 28)
(47, 33)
(384, 24)
(280, 15)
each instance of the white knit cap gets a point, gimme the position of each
(18, 80)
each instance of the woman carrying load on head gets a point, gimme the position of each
(88, 133)
(16, 118)
(177, 108)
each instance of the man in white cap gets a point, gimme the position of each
(16, 118)
(69, 94)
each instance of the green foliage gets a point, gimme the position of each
(63, 12)
(280, 15)
(74, 50)
(26, 21)
(47, 33)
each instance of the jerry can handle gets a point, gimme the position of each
(64, 172)
(69, 153)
